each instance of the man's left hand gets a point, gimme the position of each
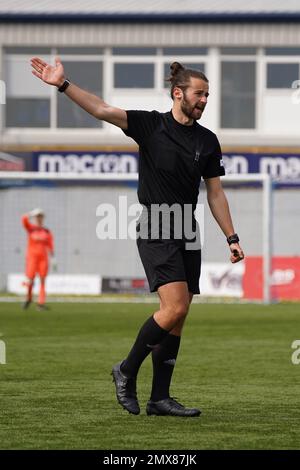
(236, 253)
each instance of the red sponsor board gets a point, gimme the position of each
(285, 280)
(11, 162)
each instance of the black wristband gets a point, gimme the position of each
(233, 239)
(64, 86)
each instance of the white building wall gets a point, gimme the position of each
(263, 34)
(278, 117)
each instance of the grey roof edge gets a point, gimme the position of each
(226, 17)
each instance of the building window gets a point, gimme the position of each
(31, 103)
(27, 112)
(80, 50)
(238, 95)
(87, 75)
(134, 51)
(280, 51)
(282, 75)
(133, 75)
(238, 50)
(28, 99)
(28, 50)
(178, 51)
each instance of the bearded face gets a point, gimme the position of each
(190, 109)
(194, 99)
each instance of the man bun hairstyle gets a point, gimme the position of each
(175, 68)
(180, 77)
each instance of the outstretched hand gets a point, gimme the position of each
(236, 253)
(51, 74)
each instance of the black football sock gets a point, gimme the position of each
(149, 336)
(163, 359)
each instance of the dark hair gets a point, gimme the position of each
(180, 77)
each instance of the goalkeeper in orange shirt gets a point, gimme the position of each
(40, 243)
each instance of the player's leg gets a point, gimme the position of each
(29, 287)
(31, 267)
(174, 307)
(43, 270)
(153, 331)
(165, 271)
(42, 294)
(164, 357)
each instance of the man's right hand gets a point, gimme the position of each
(51, 74)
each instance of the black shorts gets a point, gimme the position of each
(167, 261)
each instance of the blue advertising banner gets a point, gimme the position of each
(86, 162)
(284, 167)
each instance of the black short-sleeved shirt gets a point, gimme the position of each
(169, 170)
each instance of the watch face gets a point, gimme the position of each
(233, 239)
(64, 86)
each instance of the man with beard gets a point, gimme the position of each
(175, 152)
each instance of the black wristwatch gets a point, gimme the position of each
(233, 239)
(64, 86)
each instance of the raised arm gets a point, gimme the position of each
(220, 209)
(26, 223)
(94, 105)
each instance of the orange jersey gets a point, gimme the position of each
(40, 239)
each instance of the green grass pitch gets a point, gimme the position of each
(235, 364)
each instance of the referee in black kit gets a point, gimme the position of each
(175, 152)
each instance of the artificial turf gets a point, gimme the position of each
(234, 363)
